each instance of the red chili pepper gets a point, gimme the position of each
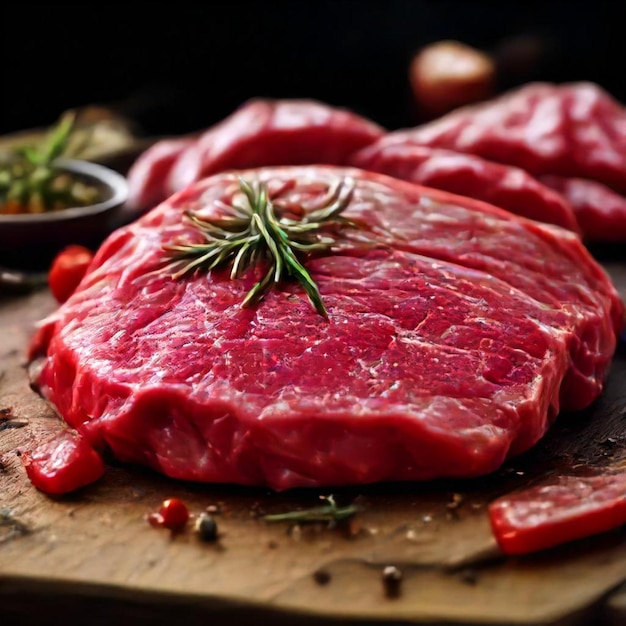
(63, 463)
(565, 509)
(67, 270)
(172, 514)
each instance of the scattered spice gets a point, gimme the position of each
(468, 576)
(392, 581)
(353, 528)
(321, 577)
(454, 505)
(15, 526)
(295, 532)
(6, 424)
(206, 527)
(7, 419)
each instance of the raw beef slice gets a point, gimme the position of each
(505, 186)
(260, 132)
(147, 177)
(600, 211)
(456, 333)
(575, 130)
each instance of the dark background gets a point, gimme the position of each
(177, 67)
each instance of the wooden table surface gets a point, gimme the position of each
(92, 558)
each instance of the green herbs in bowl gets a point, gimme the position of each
(31, 180)
(47, 198)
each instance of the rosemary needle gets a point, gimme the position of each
(256, 231)
(329, 512)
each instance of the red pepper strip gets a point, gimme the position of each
(62, 464)
(562, 510)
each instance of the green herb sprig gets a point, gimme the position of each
(258, 230)
(327, 513)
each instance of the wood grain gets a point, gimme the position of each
(93, 553)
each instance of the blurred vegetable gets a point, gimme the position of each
(448, 74)
(30, 182)
(67, 270)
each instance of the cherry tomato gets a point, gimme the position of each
(67, 270)
(172, 514)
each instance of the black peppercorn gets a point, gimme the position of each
(206, 527)
(392, 579)
(321, 577)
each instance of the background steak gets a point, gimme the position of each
(456, 333)
(260, 132)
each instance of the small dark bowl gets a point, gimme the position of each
(29, 233)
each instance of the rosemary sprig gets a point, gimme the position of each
(330, 513)
(258, 230)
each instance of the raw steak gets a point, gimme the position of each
(600, 211)
(574, 130)
(505, 186)
(147, 178)
(260, 132)
(456, 333)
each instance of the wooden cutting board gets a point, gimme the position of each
(92, 558)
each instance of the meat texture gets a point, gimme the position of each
(456, 333)
(147, 177)
(504, 186)
(571, 138)
(575, 130)
(261, 132)
(600, 211)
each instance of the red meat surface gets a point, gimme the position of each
(575, 130)
(147, 177)
(456, 333)
(600, 211)
(261, 132)
(504, 186)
